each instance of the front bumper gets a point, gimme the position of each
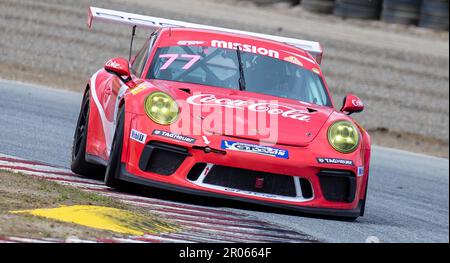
(302, 164)
(126, 176)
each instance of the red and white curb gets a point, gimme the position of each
(199, 223)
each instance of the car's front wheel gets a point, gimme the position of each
(114, 164)
(79, 164)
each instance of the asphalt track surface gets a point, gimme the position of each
(408, 198)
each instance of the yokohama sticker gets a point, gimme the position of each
(174, 136)
(335, 161)
(254, 148)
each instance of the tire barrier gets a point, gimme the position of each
(362, 9)
(404, 12)
(434, 14)
(270, 2)
(318, 6)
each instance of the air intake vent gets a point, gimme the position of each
(162, 158)
(307, 191)
(249, 180)
(195, 172)
(338, 185)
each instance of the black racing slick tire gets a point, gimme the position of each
(362, 9)
(79, 165)
(434, 14)
(114, 164)
(403, 12)
(271, 2)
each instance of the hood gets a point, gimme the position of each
(246, 115)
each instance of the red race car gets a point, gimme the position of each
(223, 113)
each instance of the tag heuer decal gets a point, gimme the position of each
(174, 136)
(334, 161)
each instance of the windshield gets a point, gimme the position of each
(219, 67)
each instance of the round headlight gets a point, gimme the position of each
(161, 108)
(343, 136)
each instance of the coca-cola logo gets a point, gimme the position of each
(113, 64)
(357, 103)
(267, 107)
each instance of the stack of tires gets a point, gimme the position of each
(362, 9)
(434, 14)
(318, 6)
(270, 2)
(405, 12)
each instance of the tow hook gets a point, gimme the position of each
(208, 149)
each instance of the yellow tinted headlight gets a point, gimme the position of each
(161, 108)
(343, 136)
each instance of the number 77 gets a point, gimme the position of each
(173, 57)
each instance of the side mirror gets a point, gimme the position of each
(121, 68)
(352, 104)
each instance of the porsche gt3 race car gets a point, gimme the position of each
(223, 113)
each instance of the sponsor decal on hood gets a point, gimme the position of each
(271, 108)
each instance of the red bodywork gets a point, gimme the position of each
(305, 143)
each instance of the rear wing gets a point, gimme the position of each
(154, 23)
